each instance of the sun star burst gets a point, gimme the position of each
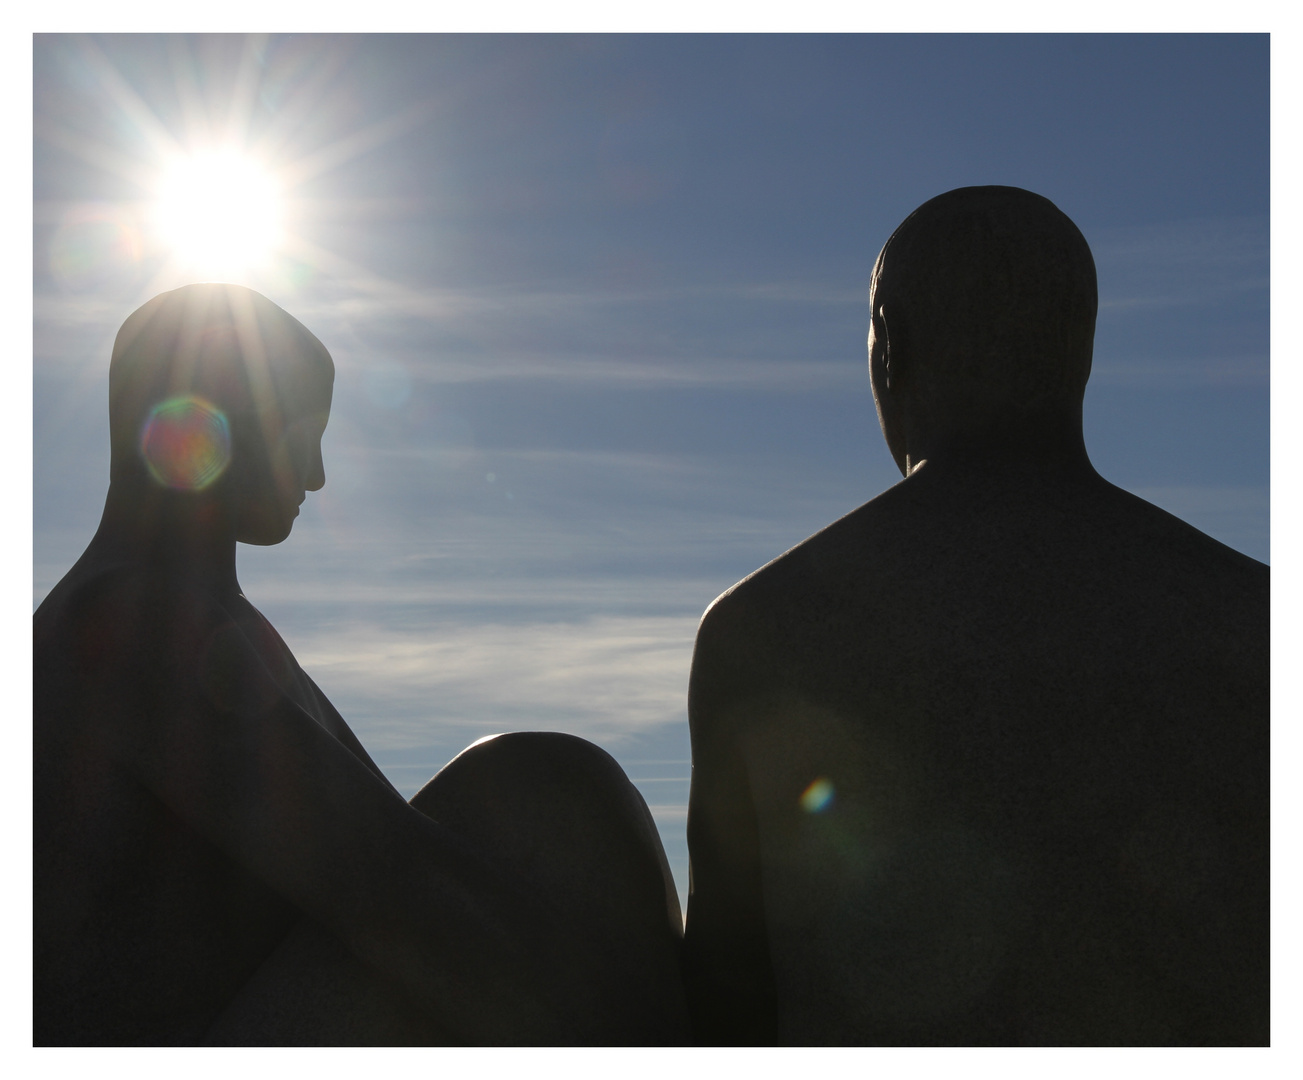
(219, 211)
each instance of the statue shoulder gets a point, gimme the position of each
(125, 591)
(1162, 539)
(121, 628)
(733, 624)
(807, 571)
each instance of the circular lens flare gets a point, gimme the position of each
(818, 796)
(219, 210)
(186, 443)
(94, 244)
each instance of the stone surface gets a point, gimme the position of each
(986, 760)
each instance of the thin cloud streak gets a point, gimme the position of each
(436, 303)
(604, 678)
(1249, 370)
(1177, 264)
(78, 331)
(650, 371)
(490, 595)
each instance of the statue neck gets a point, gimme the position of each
(1050, 440)
(182, 533)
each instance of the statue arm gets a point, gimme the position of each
(728, 973)
(338, 727)
(201, 724)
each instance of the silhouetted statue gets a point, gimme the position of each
(986, 760)
(216, 856)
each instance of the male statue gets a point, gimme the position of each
(216, 857)
(986, 760)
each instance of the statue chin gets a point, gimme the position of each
(265, 530)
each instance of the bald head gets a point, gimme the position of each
(225, 344)
(983, 305)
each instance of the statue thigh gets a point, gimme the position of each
(551, 811)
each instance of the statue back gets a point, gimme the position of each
(1006, 740)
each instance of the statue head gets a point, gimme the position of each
(217, 397)
(983, 307)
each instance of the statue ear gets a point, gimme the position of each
(885, 370)
(892, 358)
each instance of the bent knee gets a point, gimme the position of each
(524, 778)
(559, 810)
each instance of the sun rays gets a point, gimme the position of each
(227, 186)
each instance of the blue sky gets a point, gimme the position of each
(598, 309)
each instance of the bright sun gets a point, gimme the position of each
(219, 211)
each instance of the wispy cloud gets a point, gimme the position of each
(689, 336)
(649, 371)
(602, 678)
(1216, 260)
(765, 335)
(548, 522)
(378, 298)
(1246, 370)
(1184, 304)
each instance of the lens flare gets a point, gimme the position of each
(93, 245)
(818, 796)
(186, 443)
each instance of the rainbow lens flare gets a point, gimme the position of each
(94, 245)
(186, 442)
(817, 797)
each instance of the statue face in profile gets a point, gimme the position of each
(272, 475)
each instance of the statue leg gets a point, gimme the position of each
(312, 991)
(548, 809)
